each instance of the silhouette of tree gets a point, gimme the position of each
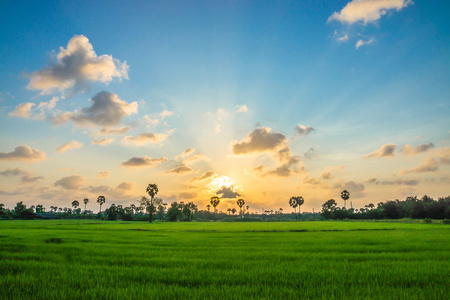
(229, 211)
(75, 204)
(300, 202)
(101, 200)
(293, 203)
(233, 210)
(240, 203)
(345, 195)
(215, 201)
(85, 201)
(40, 208)
(247, 207)
(133, 207)
(152, 190)
(208, 207)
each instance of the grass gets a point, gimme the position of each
(324, 260)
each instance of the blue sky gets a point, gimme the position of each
(363, 79)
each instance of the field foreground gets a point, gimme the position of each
(58, 259)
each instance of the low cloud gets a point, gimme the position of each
(41, 112)
(69, 145)
(103, 174)
(23, 110)
(227, 192)
(360, 43)
(303, 130)
(23, 153)
(443, 155)
(387, 150)
(106, 110)
(31, 179)
(180, 169)
(410, 150)
(367, 11)
(155, 138)
(187, 195)
(411, 182)
(356, 189)
(326, 175)
(13, 172)
(259, 140)
(102, 142)
(127, 186)
(114, 131)
(429, 165)
(70, 183)
(143, 161)
(204, 176)
(75, 67)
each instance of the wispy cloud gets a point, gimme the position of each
(69, 145)
(143, 161)
(360, 43)
(387, 150)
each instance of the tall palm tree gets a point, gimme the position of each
(300, 202)
(101, 200)
(214, 202)
(85, 201)
(240, 203)
(152, 190)
(345, 195)
(208, 207)
(293, 203)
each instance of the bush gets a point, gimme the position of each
(427, 221)
(446, 221)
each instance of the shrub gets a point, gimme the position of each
(446, 221)
(427, 221)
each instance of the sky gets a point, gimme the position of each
(259, 100)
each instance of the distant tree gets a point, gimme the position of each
(345, 195)
(229, 211)
(215, 201)
(328, 208)
(101, 200)
(371, 206)
(152, 190)
(208, 207)
(112, 212)
(281, 210)
(300, 202)
(75, 204)
(40, 208)
(53, 208)
(233, 210)
(188, 210)
(85, 201)
(240, 203)
(21, 211)
(247, 207)
(391, 210)
(293, 203)
(133, 208)
(174, 212)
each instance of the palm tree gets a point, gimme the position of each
(345, 195)
(101, 200)
(152, 190)
(214, 202)
(133, 207)
(85, 201)
(240, 203)
(300, 202)
(293, 203)
(208, 207)
(247, 207)
(229, 211)
(75, 204)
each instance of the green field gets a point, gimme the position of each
(57, 259)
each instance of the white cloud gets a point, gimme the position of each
(242, 108)
(102, 142)
(165, 113)
(23, 153)
(70, 183)
(387, 150)
(23, 110)
(367, 10)
(410, 150)
(69, 145)
(156, 138)
(106, 110)
(41, 112)
(343, 38)
(303, 130)
(75, 67)
(360, 43)
(143, 161)
(180, 169)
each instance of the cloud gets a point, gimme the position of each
(356, 189)
(204, 176)
(186, 153)
(411, 182)
(115, 131)
(101, 189)
(30, 179)
(156, 138)
(180, 169)
(70, 183)
(13, 172)
(75, 67)
(106, 110)
(144, 161)
(429, 165)
(367, 10)
(23, 110)
(343, 38)
(310, 154)
(217, 118)
(387, 150)
(259, 140)
(69, 145)
(128, 186)
(303, 130)
(102, 142)
(23, 153)
(187, 195)
(241, 108)
(165, 113)
(326, 175)
(360, 43)
(227, 192)
(410, 150)
(103, 174)
(444, 155)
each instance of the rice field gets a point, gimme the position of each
(67, 259)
